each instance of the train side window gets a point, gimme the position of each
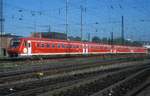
(29, 45)
(42, 45)
(25, 43)
(67, 46)
(63, 46)
(80, 46)
(58, 45)
(48, 45)
(74, 46)
(53, 46)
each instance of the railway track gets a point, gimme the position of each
(34, 64)
(33, 72)
(19, 60)
(123, 87)
(103, 86)
(8, 66)
(57, 82)
(54, 65)
(141, 90)
(51, 82)
(37, 58)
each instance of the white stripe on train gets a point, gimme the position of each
(76, 53)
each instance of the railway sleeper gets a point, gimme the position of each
(30, 85)
(90, 86)
(73, 76)
(123, 87)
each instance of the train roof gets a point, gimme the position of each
(58, 40)
(46, 39)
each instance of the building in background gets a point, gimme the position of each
(5, 42)
(146, 44)
(50, 35)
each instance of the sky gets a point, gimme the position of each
(100, 17)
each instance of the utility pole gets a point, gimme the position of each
(112, 41)
(89, 37)
(1, 25)
(67, 19)
(35, 27)
(122, 30)
(49, 29)
(112, 38)
(81, 22)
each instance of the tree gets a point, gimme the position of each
(96, 39)
(77, 38)
(105, 40)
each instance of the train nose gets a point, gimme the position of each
(13, 52)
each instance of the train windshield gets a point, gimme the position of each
(15, 43)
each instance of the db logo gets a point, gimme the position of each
(25, 50)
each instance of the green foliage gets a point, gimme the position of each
(96, 39)
(117, 41)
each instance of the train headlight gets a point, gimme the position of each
(25, 50)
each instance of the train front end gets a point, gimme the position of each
(15, 48)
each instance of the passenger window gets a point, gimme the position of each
(67, 46)
(25, 43)
(29, 45)
(74, 46)
(53, 45)
(48, 45)
(63, 46)
(58, 45)
(70, 46)
(42, 45)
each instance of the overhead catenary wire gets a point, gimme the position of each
(92, 14)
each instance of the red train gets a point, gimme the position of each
(38, 46)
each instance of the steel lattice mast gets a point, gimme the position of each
(1, 24)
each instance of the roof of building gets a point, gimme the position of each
(9, 35)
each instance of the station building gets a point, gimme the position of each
(146, 44)
(50, 35)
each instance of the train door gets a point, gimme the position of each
(86, 48)
(29, 48)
